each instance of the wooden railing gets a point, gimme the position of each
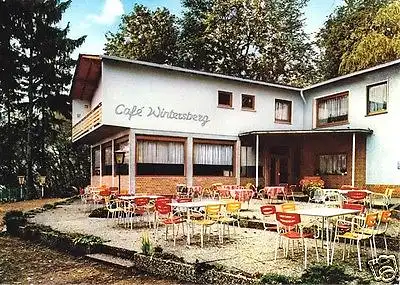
(87, 123)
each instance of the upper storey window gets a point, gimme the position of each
(283, 111)
(333, 110)
(248, 102)
(377, 96)
(224, 99)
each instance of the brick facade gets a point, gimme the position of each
(207, 181)
(380, 188)
(158, 185)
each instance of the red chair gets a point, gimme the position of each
(349, 187)
(288, 225)
(224, 193)
(162, 200)
(142, 207)
(345, 227)
(164, 215)
(268, 211)
(356, 196)
(184, 200)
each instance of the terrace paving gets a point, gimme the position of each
(248, 250)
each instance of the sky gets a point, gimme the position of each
(94, 18)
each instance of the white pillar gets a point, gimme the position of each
(91, 165)
(237, 161)
(257, 157)
(353, 160)
(189, 162)
(101, 168)
(132, 162)
(112, 163)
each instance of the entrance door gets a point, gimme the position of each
(279, 169)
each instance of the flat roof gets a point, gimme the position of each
(305, 132)
(191, 71)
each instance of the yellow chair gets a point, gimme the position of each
(288, 206)
(209, 218)
(231, 216)
(382, 200)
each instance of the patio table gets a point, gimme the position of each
(273, 191)
(133, 197)
(325, 213)
(191, 205)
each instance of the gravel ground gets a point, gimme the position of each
(247, 250)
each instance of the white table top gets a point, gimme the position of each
(133, 197)
(202, 203)
(342, 191)
(325, 212)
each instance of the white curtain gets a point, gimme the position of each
(377, 97)
(107, 156)
(282, 111)
(332, 164)
(97, 158)
(212, 154)
(247, 156)
(160, 152)
(125, 147)
(332, 108)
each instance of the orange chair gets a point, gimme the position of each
(288, 225)
(268, 211)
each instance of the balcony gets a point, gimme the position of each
(89, 122)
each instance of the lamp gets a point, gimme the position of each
(21, 181)
(42, 182)
(119, 156)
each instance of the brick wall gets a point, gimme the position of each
(333, 144)
(245, 180)
(380, 188)
(107, 180)
(159, 185)
(207, 181)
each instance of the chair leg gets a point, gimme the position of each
(359, 254)
(202, 236)
(305, 256)
(277, 247)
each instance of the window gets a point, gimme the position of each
(332, 110)
(224, 99)
(248, 102)
(248, 162)
(122, 144)
(332, 164)
(377, 98)
(96, 161)
(283, 111)
(212, 159)
(106, 158)
(160, 157)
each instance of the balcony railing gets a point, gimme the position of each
(87, 123)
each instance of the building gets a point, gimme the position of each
(196, 128)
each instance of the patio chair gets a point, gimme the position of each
(268, 217)
(165, 216)
(382, 199)
(356, 197)
(288, 227)
(231, 215)
(195, 192)
(358, 232)
(288, 206)
(333, 199)
(209, 218)
(113, 207)
(317, 196)
(143, 208)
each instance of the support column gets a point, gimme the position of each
(353, 160)
(257, 157)
(132, 162)
(189, 161)
(101, 168)
(237, 161)
(112, 163)
(91, 165)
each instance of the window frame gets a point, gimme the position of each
(96, 171)
(221, 92)
(253, 98)
(106, 169)
(326, 98)
(290, 103)
(369, 113)
(163, 140)
(124, 168)
(345, 172)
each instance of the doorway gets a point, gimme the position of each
(279, 169)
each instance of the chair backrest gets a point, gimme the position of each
(233, 207)
(288, 219)
(384, 216)
(213, 209)
(389, 192)
(142, 201)
(285, 207)
(162, 201)
(224, 193)
(195, 191)
(349, 187)
(184, 200)
(268, 210)
(371, 220)
(105, 192)
(244, 196)
(163, 209)
(350, 206)
(356, 195)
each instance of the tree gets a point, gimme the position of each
(346, 26)
(42, 56)
(145, 35)
(378, 45)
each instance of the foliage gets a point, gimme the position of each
(88, 240)
(35, 109)
(274, 278)
(325, 274)
(310, 186)
(145, 35)
(14, 219)
(99, 213)
(147, 247)
(343, 31)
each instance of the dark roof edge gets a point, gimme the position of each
(180, 69)
(322, 131)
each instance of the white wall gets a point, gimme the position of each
(146, 87)
(79, 109)
(98, 95)
(383, 151)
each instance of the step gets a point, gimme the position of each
(110, 259)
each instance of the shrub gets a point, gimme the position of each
(99, 213)
(274, 278)
(87, 240)
(147, 247)
(48, 206)
(14, 219)
(325, 274)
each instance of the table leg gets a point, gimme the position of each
(327, 241)
(188, 224)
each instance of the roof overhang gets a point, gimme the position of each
(308, 132)
(86, 78)
(100, 133)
